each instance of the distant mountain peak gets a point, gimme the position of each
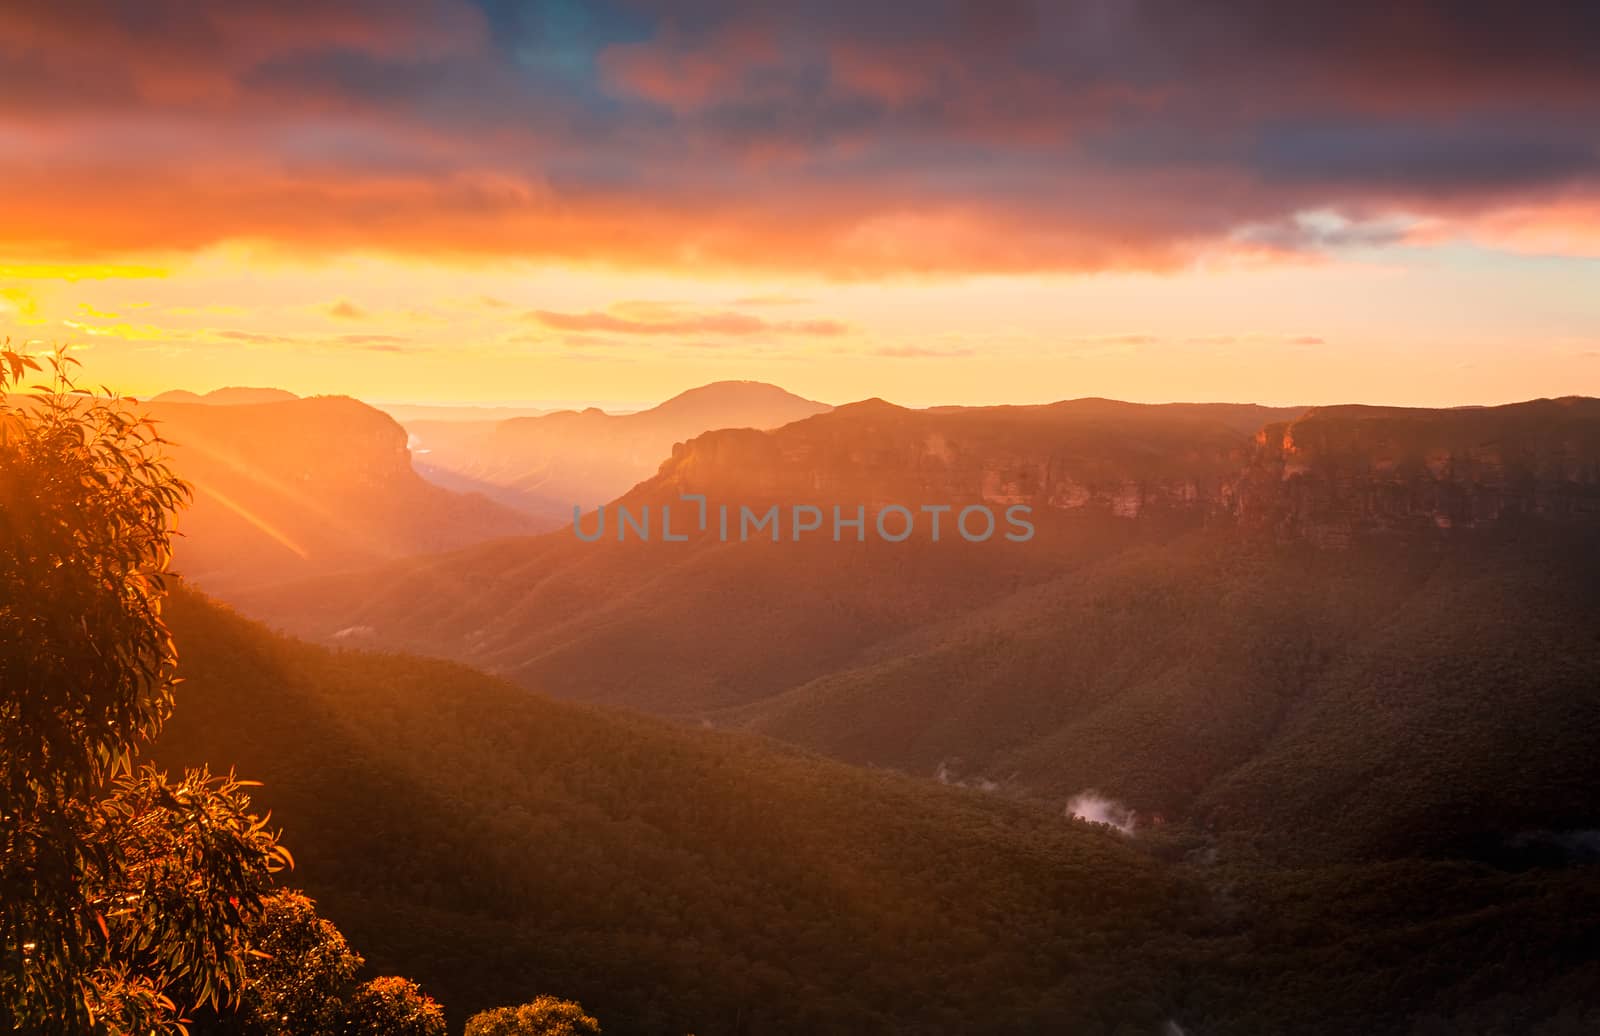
(231, 395)
(874, 404)
(734, 393)
(546, 464)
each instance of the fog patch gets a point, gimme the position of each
(1097, 809)
(947, 774)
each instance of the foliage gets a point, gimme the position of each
(543, 1016)
(392, 1006)
(123, 892)
(1321, 736)
(302, 981)
(472, 833)
(301, 969)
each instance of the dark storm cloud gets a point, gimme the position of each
(854, 139)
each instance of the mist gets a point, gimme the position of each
(1098, 809)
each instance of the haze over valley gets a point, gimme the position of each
(649, 518)
(1252, 642)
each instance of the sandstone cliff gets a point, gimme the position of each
(288, 489)
(1339, 472)
(1325, 475)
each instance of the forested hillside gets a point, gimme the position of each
(1378, 702)
(494, 844)
(1166, 639)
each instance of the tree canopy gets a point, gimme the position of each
(542, 1016)
(124, 892)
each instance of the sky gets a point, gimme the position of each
(984, 202)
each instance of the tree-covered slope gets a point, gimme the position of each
(494, 844)
(1392, 697)
(1378, 702)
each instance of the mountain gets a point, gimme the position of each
(1377, 704)
(537, 608)
(287, 489)
(546, 465)
(1340, 472)
(495, 844)
(1325, 475)
(231, 396)
(1089, 455)
(1181, 633)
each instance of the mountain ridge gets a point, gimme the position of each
(479, 839)
(548, 464)
(493, 844)
(1302, 475)
(292, 487)
(230, 395)
(1155, 636)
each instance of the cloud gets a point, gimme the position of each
(20, 304)
(253, 337)
(368, 342)
(1122, 339)
(346, 310)
(771, 300)
(917, 352)
(666, 319)
(124, 331)
(688, 73)
(582, 341)
(372, 341)
(846, 140)
(1327, 230)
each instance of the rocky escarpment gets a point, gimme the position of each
(1092, 455)
(327, 444)
(1340, 472)
(1326, 475)
(284, 489)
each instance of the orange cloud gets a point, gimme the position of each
(658, 320)
(90, 56)
(918, 352)
(1567, 227)
(850, 141)
(344, 309)
(685, 74)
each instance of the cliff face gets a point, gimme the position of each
(287, 489)
(1342, 472)
(1091, 454)
(330, 444)
(1327, 475)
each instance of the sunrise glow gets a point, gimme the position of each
(983, 203)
